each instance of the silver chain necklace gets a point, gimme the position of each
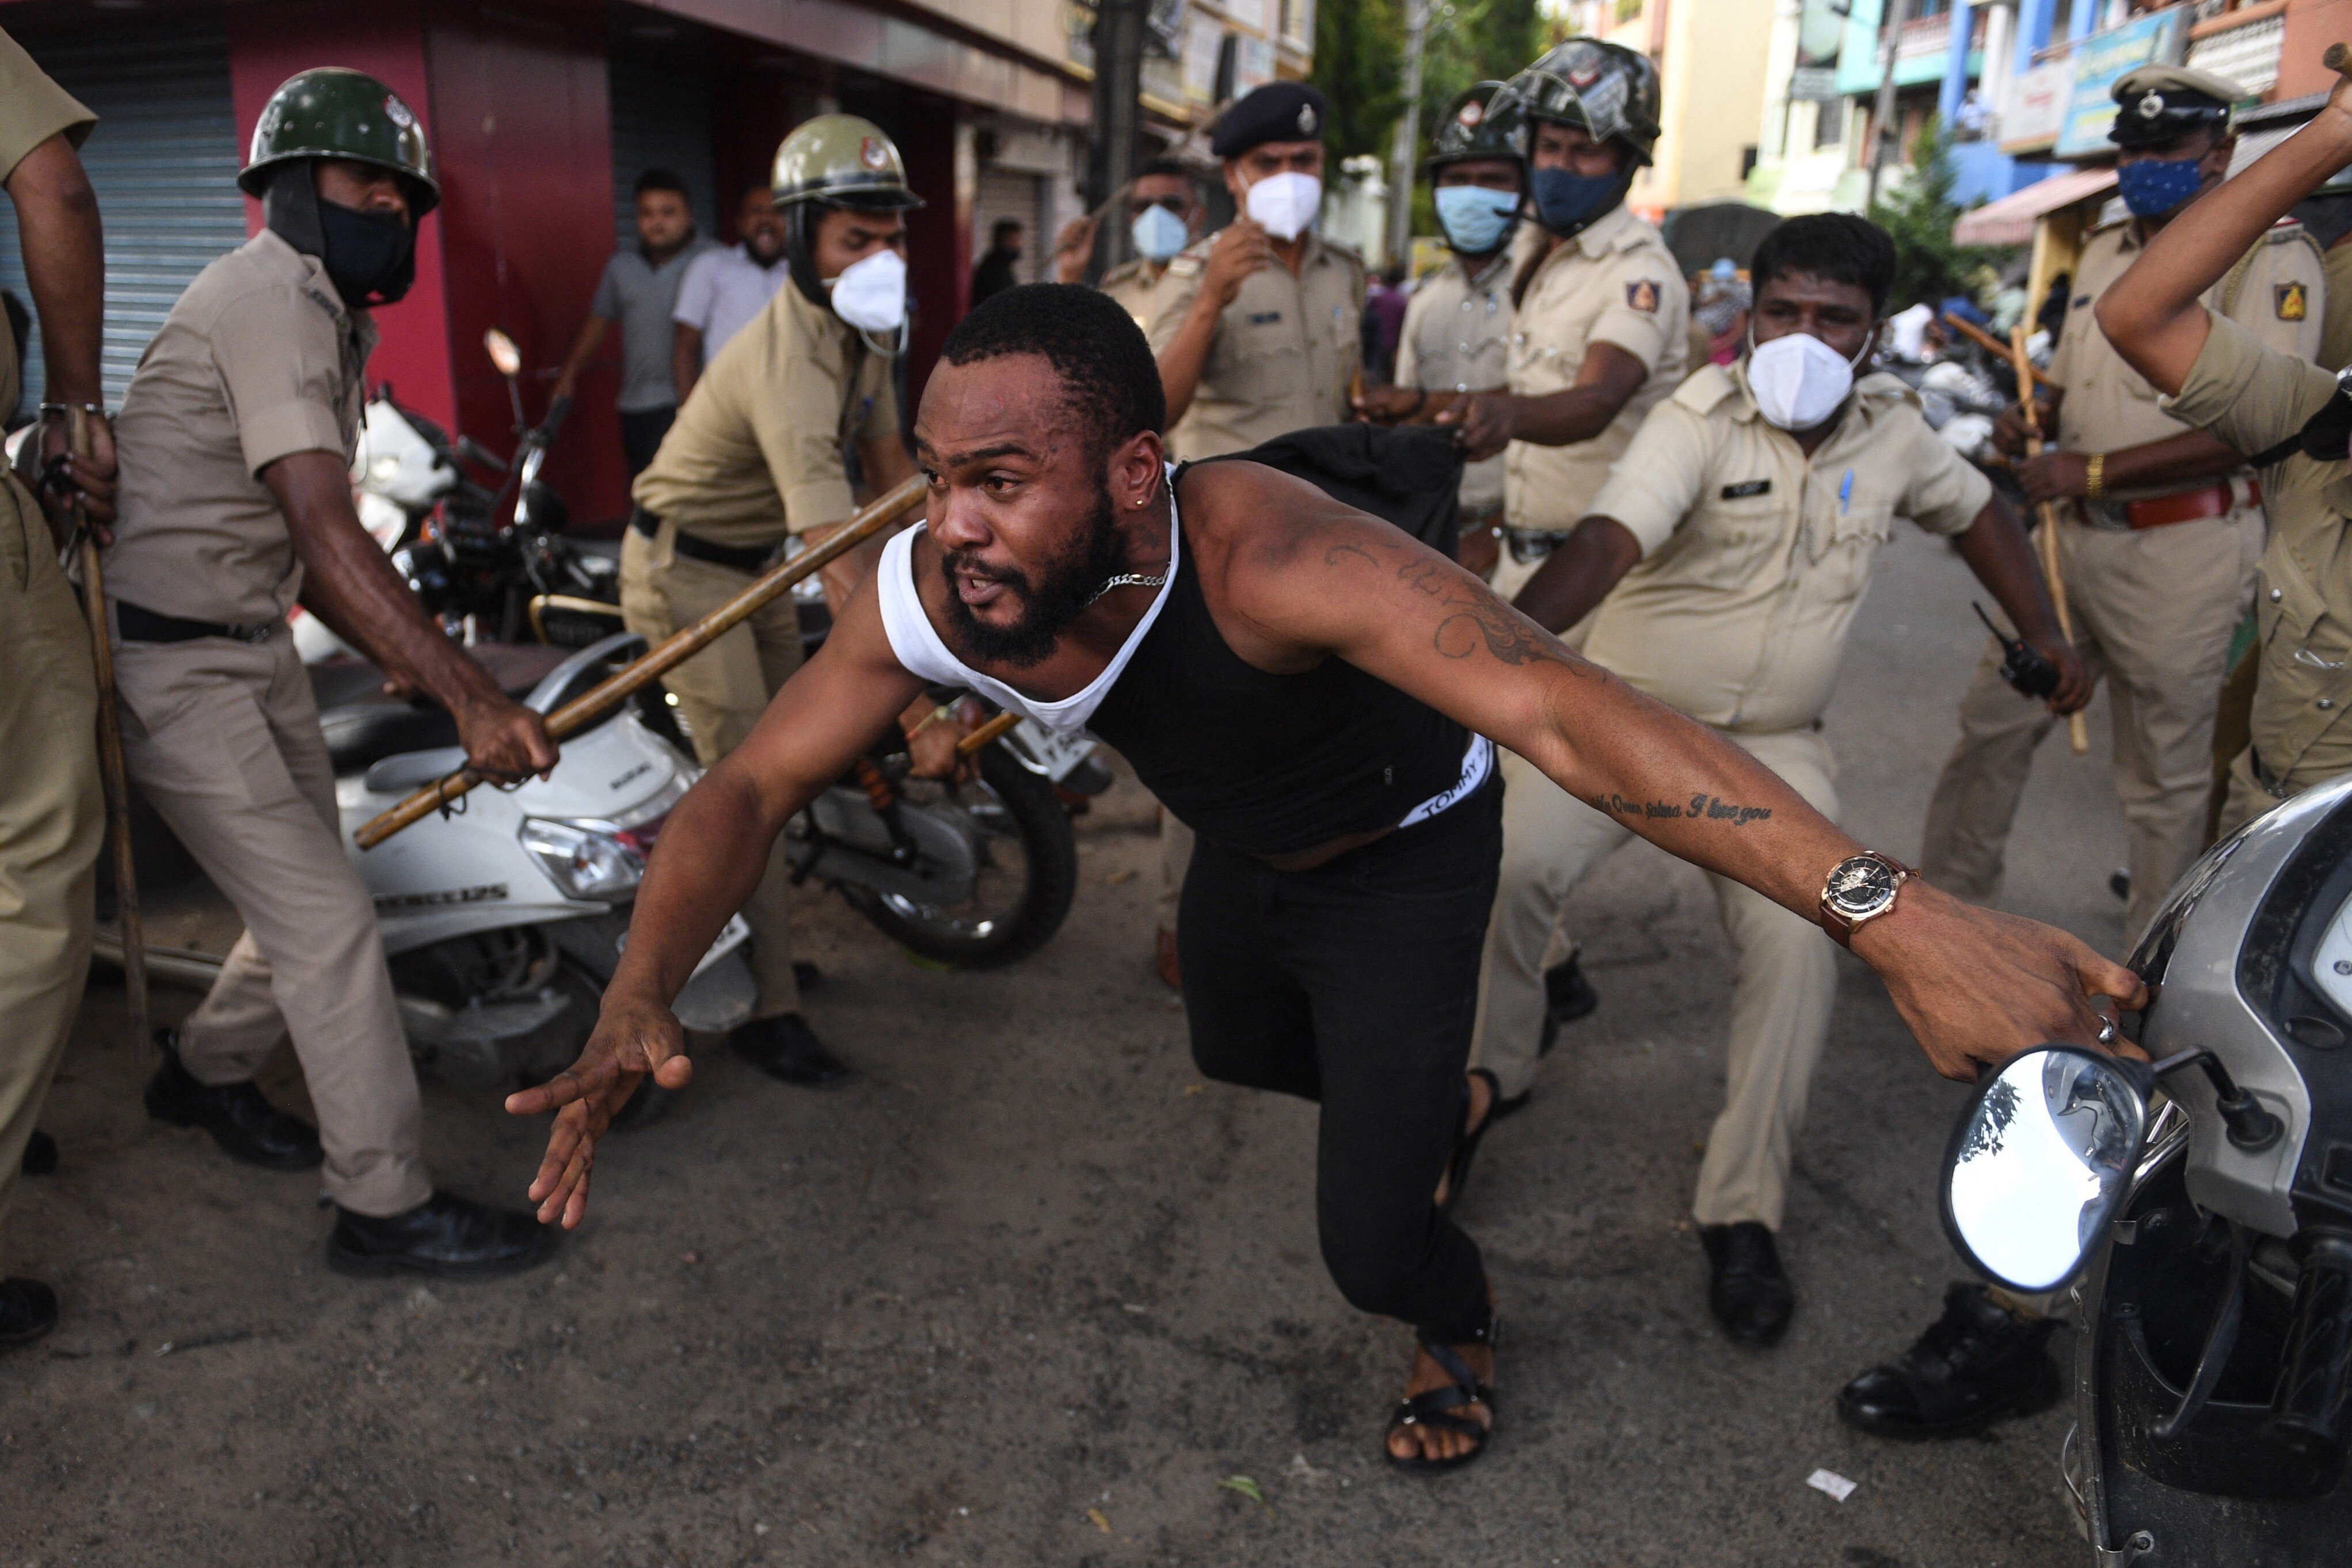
(1132, 580)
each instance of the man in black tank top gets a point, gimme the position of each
(1303, 652)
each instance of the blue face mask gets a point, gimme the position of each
(1568, 202)
(1474, 219)
(1159, 234)
(2153, 186)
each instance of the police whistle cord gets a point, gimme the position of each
(625, 682)
(2078, 732)
(133, 929)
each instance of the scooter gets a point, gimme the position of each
(2199, 1204)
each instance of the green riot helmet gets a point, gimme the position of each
(834, 161)
(1484, 120)
(1604, 90)
(330, 112)
(846, 161)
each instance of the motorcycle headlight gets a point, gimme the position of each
(585, 863)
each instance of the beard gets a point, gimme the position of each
(1061, 590)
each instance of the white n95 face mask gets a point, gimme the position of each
(871, 294)
(1288, 204)
(1798, 380)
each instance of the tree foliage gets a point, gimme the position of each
(1928, 265)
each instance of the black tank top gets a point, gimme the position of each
(1269, 764)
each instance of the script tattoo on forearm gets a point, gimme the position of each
(1698, 808)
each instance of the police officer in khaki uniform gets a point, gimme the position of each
(1988, 1357)
(1163, 213)
(1257, 329)
(2159, 528)
(757, 456)
(237, 437)
(1734, 542)
(51, 818)
(1457, 340)
(1600, 335)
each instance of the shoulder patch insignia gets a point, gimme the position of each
(1751, 488)
(1643, 296)
(2292, 301)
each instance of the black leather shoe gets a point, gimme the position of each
(40, 1155)
(1976, 1364)
(785, 1047)
(246, 1126)
(444, 1235)
(1748, 1296)
(1568, 996)
(28, 1309)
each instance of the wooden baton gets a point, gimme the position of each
(623, 683)
(2078, 734)
(1991, 344)
(116, 779)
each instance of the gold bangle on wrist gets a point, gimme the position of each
(2095, 478)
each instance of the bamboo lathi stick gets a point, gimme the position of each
(2078, 734)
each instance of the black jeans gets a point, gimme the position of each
(641, 436)
(1354, 985)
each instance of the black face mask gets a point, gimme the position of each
(371, 257)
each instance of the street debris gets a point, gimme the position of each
(1830, 1481)
(1248, 1488)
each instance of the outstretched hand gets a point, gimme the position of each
(632, 1040)
(1977, 986)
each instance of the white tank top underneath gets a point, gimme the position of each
(919, 646)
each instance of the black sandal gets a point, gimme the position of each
(1439, 1408)
(1466, 1140)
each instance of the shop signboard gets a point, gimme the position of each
(2102, 59)
(2036, 109)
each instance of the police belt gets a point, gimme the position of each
(2218, 498)
(752, 558)
(136, 623)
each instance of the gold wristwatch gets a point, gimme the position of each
(1860, 887)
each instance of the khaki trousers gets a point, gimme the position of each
(2248, 799)
(52, 821)
(222, 739)
(1781, 987)
(721, 693)
(2154, 612)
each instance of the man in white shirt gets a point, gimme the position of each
(723, 290)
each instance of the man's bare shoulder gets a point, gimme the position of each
(1237, 512)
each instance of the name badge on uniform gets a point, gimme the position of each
(1264, 317)
(1643, 296)
(1746, 489)
(2293, 303)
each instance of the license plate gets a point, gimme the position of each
(1058, 754)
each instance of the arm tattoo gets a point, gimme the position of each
(1699, 807)
(1331, 557)
(1478, 619)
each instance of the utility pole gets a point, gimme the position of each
(1407, 132)
(1117, 113)
(1882, 113)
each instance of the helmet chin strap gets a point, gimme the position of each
(289, 207)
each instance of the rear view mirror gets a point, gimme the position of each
(503, 353)
(2041, 1162)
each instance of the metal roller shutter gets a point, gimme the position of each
(661, 120)
(163, 161)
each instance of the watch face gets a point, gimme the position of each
(1861, 887)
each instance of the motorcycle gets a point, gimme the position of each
(2206, 1229)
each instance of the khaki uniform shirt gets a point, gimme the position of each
(1754, 558)
(258, 360)
(756, 452)
(1457, 338)
(2276, 291)
(2336, 332)
(1614, 283)
(32, 110)
(1135, 287)
(1285, 351)
(2253, 396)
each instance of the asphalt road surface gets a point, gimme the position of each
(1031, 1292)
